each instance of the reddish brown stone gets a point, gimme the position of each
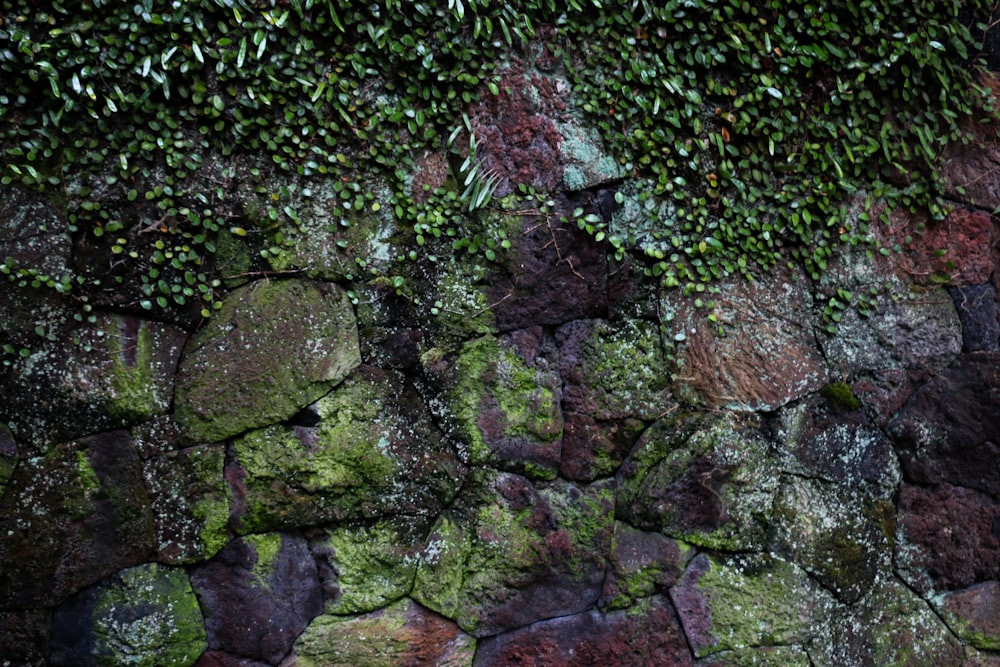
(974, 614)
(955, 251)
(949, 537)
(648, 634)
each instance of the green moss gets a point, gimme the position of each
(135, 396)
(759, 600)
(87, 475)
(496, 389)
(841, 395)
(149, 617)
(266, 546)
(375, 564)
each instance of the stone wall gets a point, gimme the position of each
(545, 459)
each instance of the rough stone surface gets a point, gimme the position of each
(24, 638)
(640, 565)
(828, 442)
(407, 634)
(364, 567)
(973, 614)
(258, 594)
(505, 395)
(554, 273)
(977, 310)
(188, 499)
(273, 348)
(705, 480)
(70, 517)
(949, 431)
(614, 370)
(368, 449)
(648, 634)
(748, 600)
(947, 537)
(768, 355)
(956, 251)
(518, 555)
(113, 373)
(146, 616)
(917, 637)
(833, 534)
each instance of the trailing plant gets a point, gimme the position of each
(762, 121)
(756, 122)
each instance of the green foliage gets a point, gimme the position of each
(151, 121)
(125, 107)
(760, 120)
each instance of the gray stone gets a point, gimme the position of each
(977, 311)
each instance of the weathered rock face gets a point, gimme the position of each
(257, 595)
(146, 615)
(275, 347)
(113, 373)
(71, 517)
(545, 458)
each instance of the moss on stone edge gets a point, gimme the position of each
(529, 411)
(149, 617)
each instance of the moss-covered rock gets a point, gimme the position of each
(613, 370)
(641, 565)
(834, 534)
(71, 516)
(189, 503)
(890, 626)
(112, 373)
(146, 615)
(504, 396)
(401, 634)
(273, 348)
(706, 479)
(747, 601)
(371, 565)
(509, 554)
(370, 451)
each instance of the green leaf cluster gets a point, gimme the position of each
(757, 121)
(762, 120)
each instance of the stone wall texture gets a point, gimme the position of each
(560, 462)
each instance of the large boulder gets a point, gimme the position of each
(275, 347)
(508, 554)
